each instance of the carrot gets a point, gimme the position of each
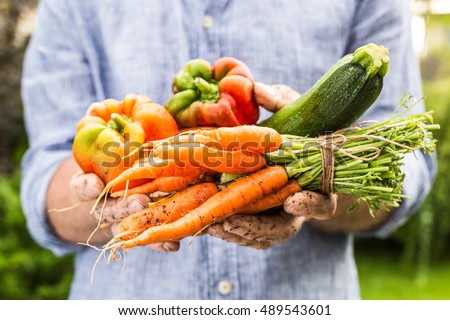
(187, 137)
(271, 200)
(220, 206)
(167, 210)
(147, 170)
(165, 184)
(173, 141)
(196, 154)
(197, 128)
(248, 137)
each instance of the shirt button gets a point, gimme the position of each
(207, 22)
(225, 287)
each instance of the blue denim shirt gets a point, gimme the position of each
(86, 51)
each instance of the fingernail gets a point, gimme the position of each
(114, 228)
(169, 246)
(235, 229)
(135, 205)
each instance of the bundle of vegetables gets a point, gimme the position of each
(364, 161)
(222, 95)
(213, 173)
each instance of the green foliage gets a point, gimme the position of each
(27, 271)
(383, 276)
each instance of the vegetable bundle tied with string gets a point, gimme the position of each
(363, 160)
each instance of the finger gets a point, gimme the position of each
(273, 97)
(284, 94)
(166, 246)
(86, 186)
(275, 228)
(114, 228)
(158, 195)
(265, 96)
(311, 205)
(115, 209)
(217, 230)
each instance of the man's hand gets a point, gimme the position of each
(311, 205)
(70, 186)
(88, 187)
(263, 230)
(328, 213)
(257, 231)
(273, 97)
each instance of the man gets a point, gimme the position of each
(83, 52)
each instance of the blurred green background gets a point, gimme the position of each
(413, 263)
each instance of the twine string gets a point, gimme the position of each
(332, 142)
(327, 151)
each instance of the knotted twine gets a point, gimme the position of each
(332, 142)
(327, 147)
(328, 144)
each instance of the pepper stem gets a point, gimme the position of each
(118, 122)
(209, 91)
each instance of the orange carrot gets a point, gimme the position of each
(197, 128)
(220, 206)
(191, 136)
(148, 170)
(271, 200)
(167, 210)
(248, 137)
(165, 184)
(196, 154)
(186, 137)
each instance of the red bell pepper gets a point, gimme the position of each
(221, 95)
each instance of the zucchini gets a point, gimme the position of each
(338, 98)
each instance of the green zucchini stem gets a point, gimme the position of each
(374, 58)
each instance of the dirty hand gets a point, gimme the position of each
(87, 187)
(263, 230)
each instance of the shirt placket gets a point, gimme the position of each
(209, 44)
(221, 256)
(223, 280)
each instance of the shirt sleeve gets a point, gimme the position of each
(388, 23)
(57, 89)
